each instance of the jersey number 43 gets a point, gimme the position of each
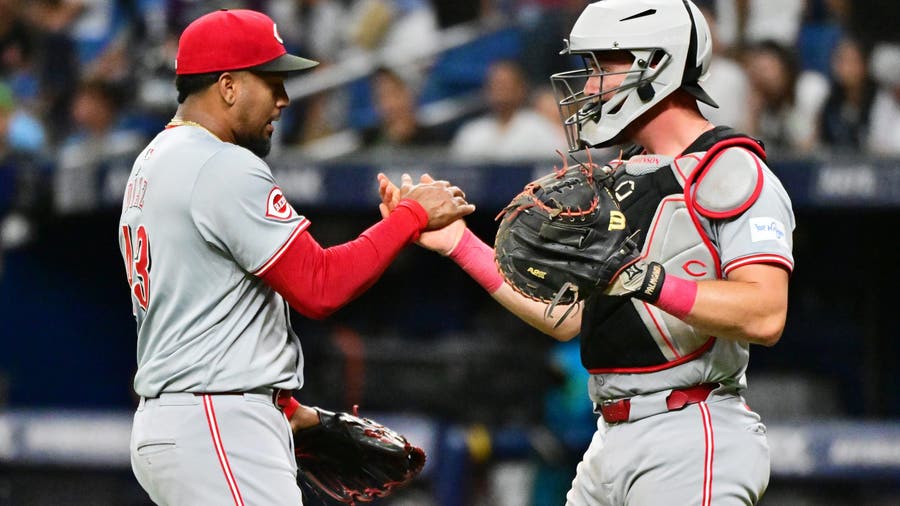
(136, 252)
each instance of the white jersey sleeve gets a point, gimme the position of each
(239, 209)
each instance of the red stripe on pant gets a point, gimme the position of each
(220, 450)
(710, 447)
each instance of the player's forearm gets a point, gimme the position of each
(477, 259)
(303, 417)
(316, 282)
(739, 310)
(532, 312)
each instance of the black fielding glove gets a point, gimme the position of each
(352, 459)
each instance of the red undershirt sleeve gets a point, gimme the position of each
(317, 281)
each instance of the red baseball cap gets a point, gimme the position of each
(236, 39)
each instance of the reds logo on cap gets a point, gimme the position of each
(277, 36)
(277, 206)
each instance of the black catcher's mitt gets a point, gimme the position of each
(563, 237)
(350, 459)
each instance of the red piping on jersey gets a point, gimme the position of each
(659, 367)
(301, 226)
(766, 258)
(220, 450)
(709, 451)
(316, 282)
(739, 209)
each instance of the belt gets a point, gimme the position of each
(620, 411)
(280, 397)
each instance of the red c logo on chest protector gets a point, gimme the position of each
(694, 268)
(277, 206)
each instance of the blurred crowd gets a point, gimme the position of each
(85, 83)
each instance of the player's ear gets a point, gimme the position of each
(227, 86)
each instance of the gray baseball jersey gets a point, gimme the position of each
(201, 219)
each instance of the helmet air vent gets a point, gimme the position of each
(648, 12)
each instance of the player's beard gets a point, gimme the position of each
(259, 145)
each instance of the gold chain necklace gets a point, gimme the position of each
(183, 122)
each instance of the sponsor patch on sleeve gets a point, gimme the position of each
(767, 229)
(277, 206)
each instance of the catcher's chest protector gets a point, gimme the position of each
(670, 203)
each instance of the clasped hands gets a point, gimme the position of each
(445, 227)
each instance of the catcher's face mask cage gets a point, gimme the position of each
(590, 111)
(670, 43)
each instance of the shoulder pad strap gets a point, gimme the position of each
(720, 134)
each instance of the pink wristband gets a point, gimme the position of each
(677, 296)
(477, 259)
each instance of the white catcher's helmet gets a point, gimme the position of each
(672, 49)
